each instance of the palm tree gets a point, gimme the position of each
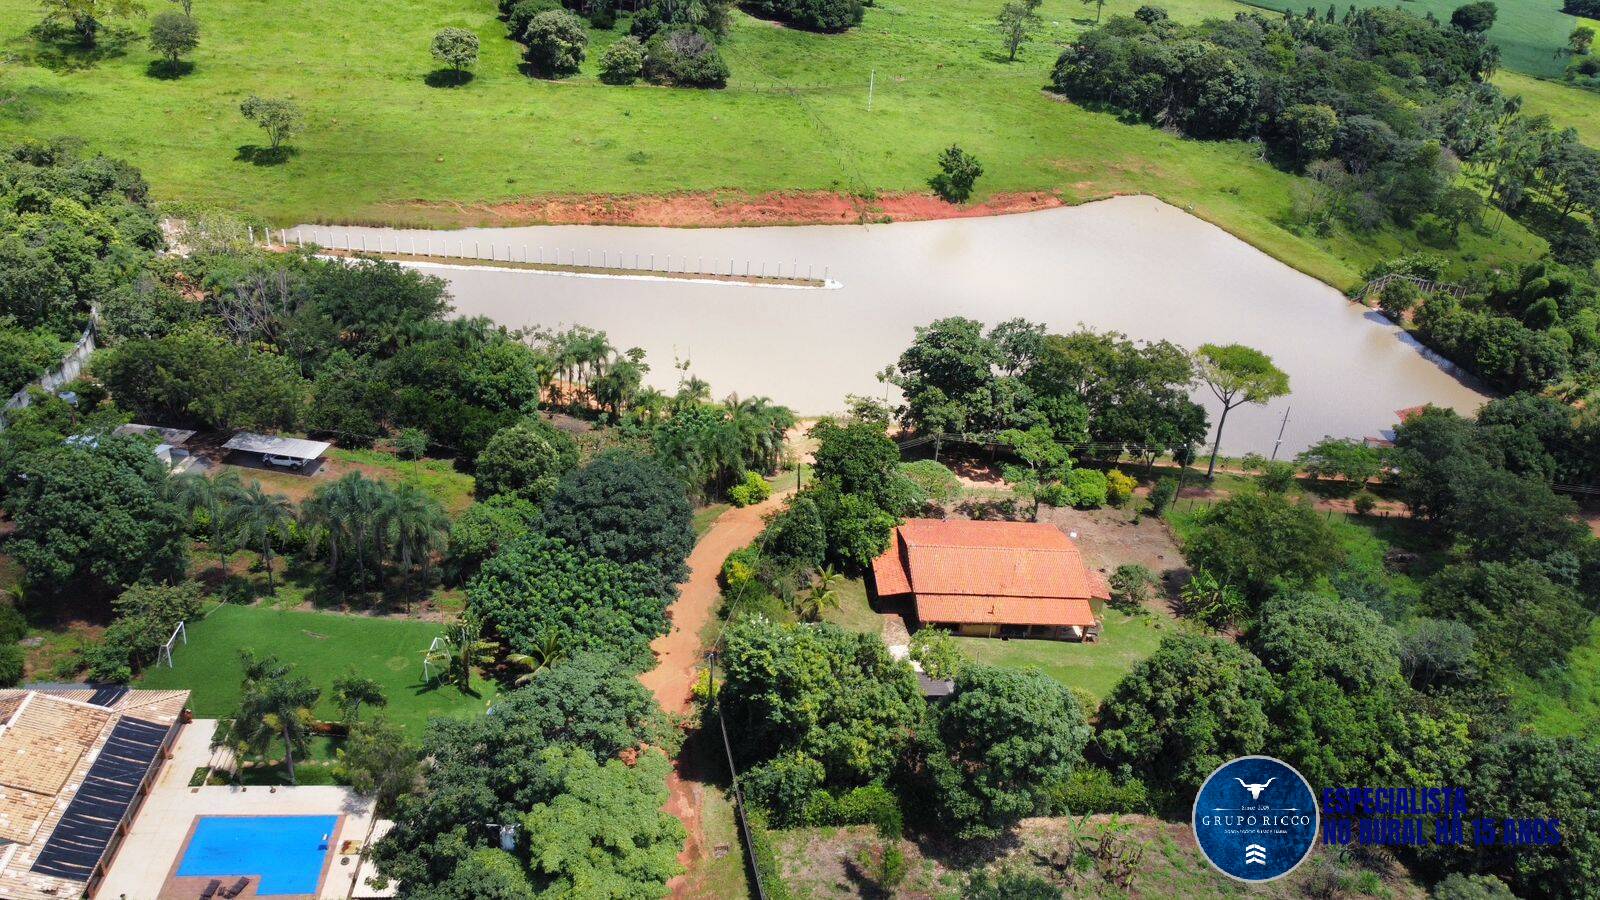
(819, 598)
(464, 650)
(195, 491)
(419, 528)
(549, 651)
(350, 517)
(352, 689)
(275, 704)
(255, 517)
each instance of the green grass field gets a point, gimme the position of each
(321, 646)
(1094, 667)
(1530, 32)
(794, 116)
(1566, 703)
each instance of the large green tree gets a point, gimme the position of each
(1191, 706)
(539, 587)
(1237, 375)
(96, 513)
(526, 460)
(1521, 617)
(627, 509)
(1256, 541)
(194, 376)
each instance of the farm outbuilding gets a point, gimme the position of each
(294, 454)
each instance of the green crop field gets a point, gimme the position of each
(794, 116)
(1531, 33)
(321, 646)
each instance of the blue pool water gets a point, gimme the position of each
(286, 852)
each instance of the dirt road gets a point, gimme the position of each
(678, 655)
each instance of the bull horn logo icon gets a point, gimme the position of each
(1256, 789)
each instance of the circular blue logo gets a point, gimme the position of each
(1256, 818)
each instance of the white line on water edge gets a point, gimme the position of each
(827, 284)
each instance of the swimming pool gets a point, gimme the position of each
(286, 852)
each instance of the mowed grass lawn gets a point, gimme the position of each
(794, 116)
(321, 646)
(1095, 667)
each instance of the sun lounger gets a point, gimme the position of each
(237, 888)
(211, 889)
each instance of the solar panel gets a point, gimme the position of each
(107, 695)
(86, 828)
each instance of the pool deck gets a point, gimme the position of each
(144, 866)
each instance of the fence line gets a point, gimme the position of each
(70, 368)
(551, 257)
(1424, 285)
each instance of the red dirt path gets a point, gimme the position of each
(678, 654)
(719, 208)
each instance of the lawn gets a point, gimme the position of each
(437, 478)
(1530, 32)
(1567, 107)
(1567, 702)
(321, 646)
(1095, 667)
(794, 116)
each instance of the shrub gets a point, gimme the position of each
(1276, 477)
(740, 568)
(1365, 502)
(936, 651)
(1119, 487)
(933, 479)
(13, 627)
(1131, 585)
(1087, 488)
(622, 62)
(784, 786)
(893, 869)
(12, 659)
(958, 170)
(685, 56)
(1397, 299)
(752, 490)
(522, 12)
(1162, 495)
(556, 42)
(1093, 791)
(817, 15)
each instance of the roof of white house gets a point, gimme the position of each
(295, 448)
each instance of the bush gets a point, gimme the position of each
(893, 869)
(1276, 477)
(1119, 487)
(871, 804)
(1087, 488)
(1365, 502)
(933, 479)
(1397, 299)
(752, 490)
(12, 660)
(622, 62)
(13, 627)
(740, 568)
(935, 650)
(1092, 791)
(685, 56)
(519, 14)
(1162, 495)
(1131, 585)
(556, 41)
(784, 787)
(958, 170)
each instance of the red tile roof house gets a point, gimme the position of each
(1010, 579)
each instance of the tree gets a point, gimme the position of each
(957, 172)
(461, 652)
(1343, 642)
(835, 696)
(483, 530)
(1475, 18)
(935, 650)
(1011, 735)
(556, 40)
(1257, 541)
(823, 15)
(146, 616)
(627, 509)
(275, 704)
(380, 763)
(604, 832)
(1351, 461)
(96, 513)
(1436, 651)
(546, 653)
(86, 16)
(541, 586)
(684, 56)
(857, 458)
(1191, 706)
(172, 34)
(1236, 375)
(280, 118)
(820, 597)
(195, 376)
(353, 689)
(456, 48)
(1580, 40)
(622, 62)
(1527, 776)
(1099, 6)
(1310, 130)
(1016, 22)
(255, 518)
(526, 460)
(1521, 617)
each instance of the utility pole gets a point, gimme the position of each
(872, 82)
(1279, 442)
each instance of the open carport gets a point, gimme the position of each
(271, 452)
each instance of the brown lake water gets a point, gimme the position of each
(1130, 264)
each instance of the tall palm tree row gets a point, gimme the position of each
(358, 525)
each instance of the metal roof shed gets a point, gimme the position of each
(273, 445)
